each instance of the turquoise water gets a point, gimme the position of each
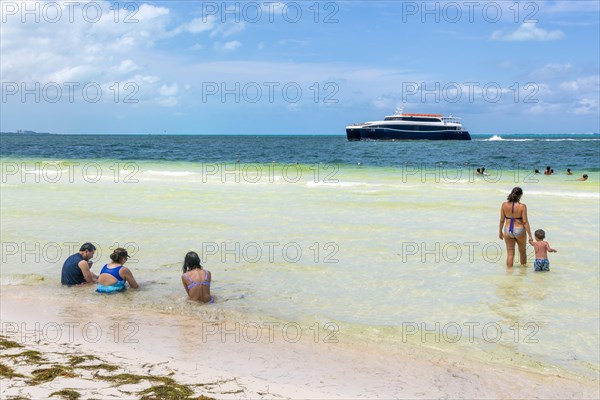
(394, 250)
(509, 152)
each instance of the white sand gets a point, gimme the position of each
(227, 369)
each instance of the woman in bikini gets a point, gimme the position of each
(513, 226)
(196, 280)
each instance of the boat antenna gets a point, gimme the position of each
(398, 111)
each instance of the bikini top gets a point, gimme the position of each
(193, 283)
(511, 226)
(112, 271)
(512, 211)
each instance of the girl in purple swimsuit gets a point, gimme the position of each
(196, 280)
(513, 225)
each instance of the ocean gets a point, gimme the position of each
(394, 243)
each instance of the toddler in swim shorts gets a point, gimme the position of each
(541, 251)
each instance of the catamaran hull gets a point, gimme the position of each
(360, 133)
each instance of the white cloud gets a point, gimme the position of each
(146, 79)
(169, 95)
(73, 73)
(118, 47)
(228, 29)
(555, 94)
(73, 48)
(550, 71)
(169, 90)
(528, 31)
(228, 46)
(544, 108)
(144, 12)
(126, 66)
(198, 25)
(588, 106)
(585, 84)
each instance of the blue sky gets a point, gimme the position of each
(303, 67)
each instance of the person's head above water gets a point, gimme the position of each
(87, 251)
(540, 234)
(515, 194)
(191, 261)
(119, 255)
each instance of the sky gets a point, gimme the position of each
(297, 67)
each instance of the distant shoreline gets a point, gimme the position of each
(28, 133)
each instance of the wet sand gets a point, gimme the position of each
(223, 360)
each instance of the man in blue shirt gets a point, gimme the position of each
(76, 269)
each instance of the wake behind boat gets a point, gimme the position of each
(402, 126)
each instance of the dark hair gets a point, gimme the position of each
(118, 254)
(87, 246)
(540, 234)
(568, 169)
(548, 168)
(537, 171)
(515, 195)
(191, 261)
(585, 175)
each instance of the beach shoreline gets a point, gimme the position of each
(220, 366)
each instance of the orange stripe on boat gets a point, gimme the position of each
(424, 115)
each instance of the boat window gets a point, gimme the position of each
(424, 119)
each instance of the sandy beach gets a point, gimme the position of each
(142, 356)
(337, 169)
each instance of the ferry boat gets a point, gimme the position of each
(402, 126)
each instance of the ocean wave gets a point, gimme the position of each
(497, 138)
(346, 184)
(170, 173)
(569, 140)
(565, 194)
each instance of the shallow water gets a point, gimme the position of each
(402, 251)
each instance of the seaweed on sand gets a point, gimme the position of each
(171, 391)
(8, 344)
(49, 374)
(8, 372)
(33, 356)
(67, 394)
